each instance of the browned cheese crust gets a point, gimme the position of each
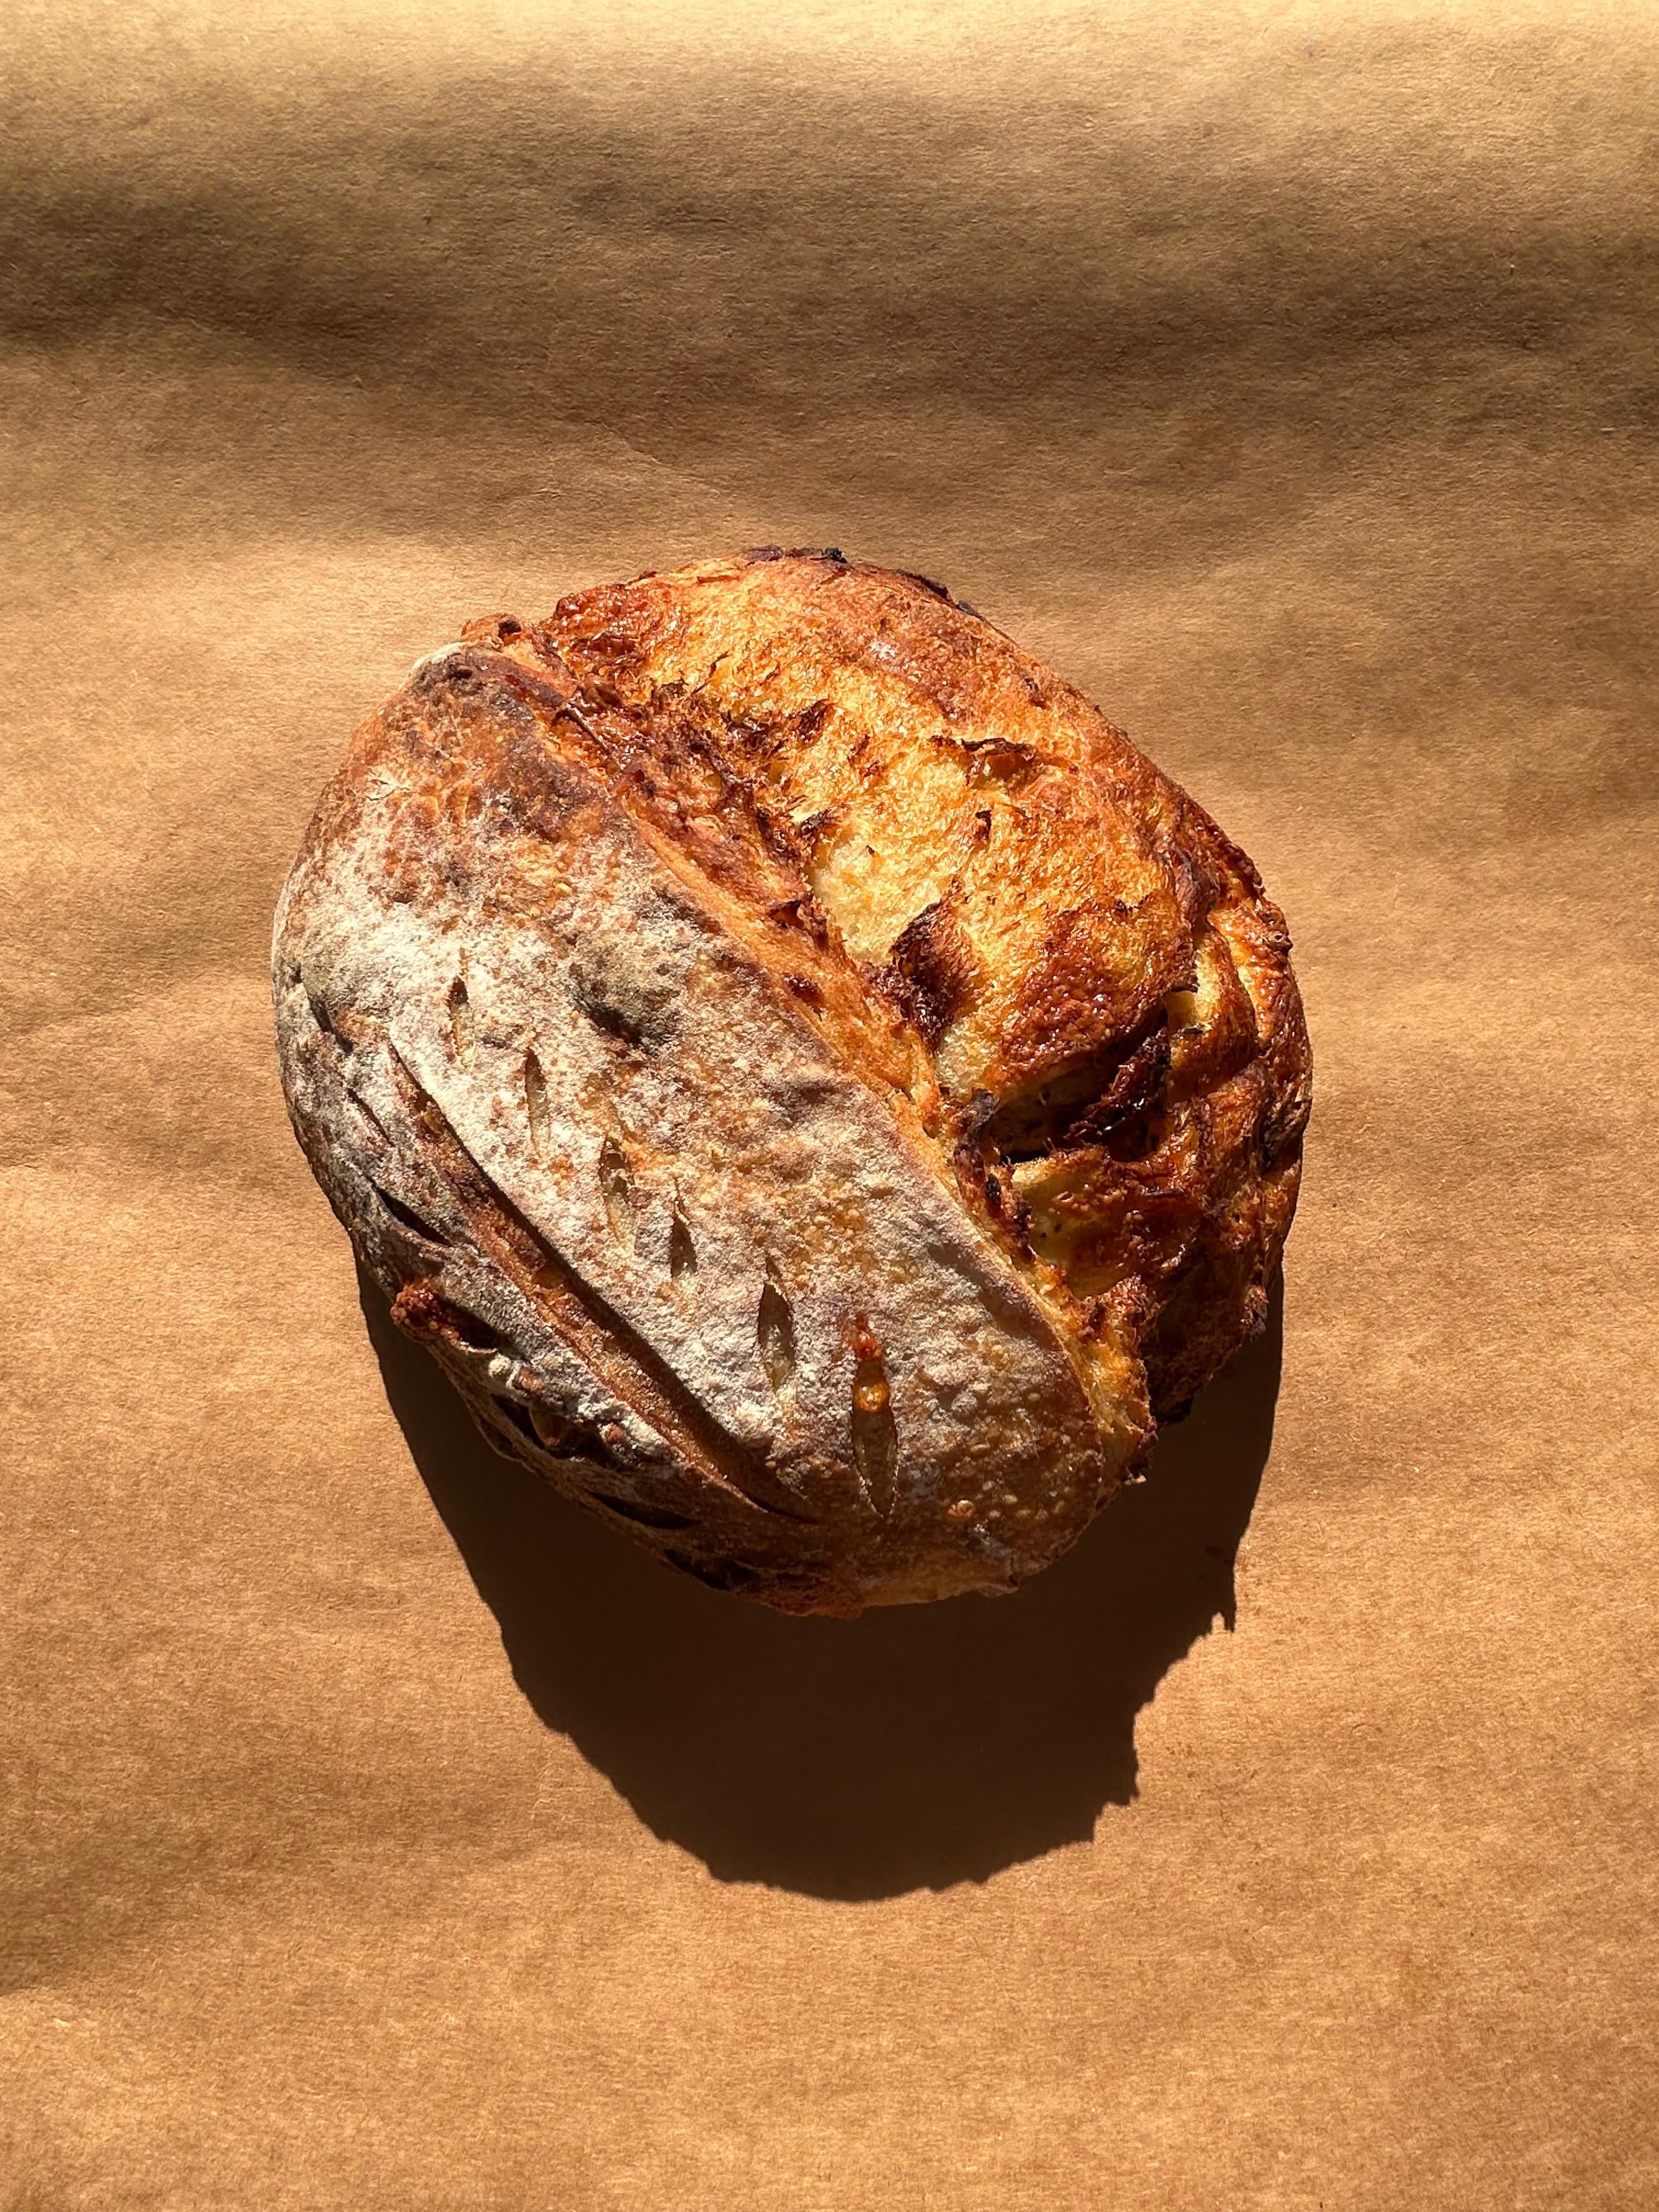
(817, 1090)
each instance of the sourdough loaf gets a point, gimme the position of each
(819, 1092)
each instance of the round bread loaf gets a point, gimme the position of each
(819, 1092)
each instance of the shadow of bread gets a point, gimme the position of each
(915, 1748)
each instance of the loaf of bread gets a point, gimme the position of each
(818, 1091)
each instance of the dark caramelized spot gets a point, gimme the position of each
(1116, 1101)
(931, 969)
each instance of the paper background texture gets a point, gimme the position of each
(1285, 375)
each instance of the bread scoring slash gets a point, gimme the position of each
(818, 1091)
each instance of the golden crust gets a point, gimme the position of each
(1074, 938)
(888, 954)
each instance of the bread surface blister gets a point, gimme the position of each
(818, 1091)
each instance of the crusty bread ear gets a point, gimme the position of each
(797, 1067)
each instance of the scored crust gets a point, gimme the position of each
(817, 1090)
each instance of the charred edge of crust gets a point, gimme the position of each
(1118, 1101)
(649, 770)
(930, 971)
